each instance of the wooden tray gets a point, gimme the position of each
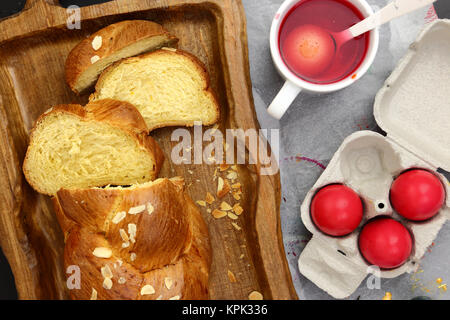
(33, 47)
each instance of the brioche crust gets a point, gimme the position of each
(120, 40)
(171, 252)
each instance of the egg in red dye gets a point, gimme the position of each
(386, 243)
(309, 50)
(336, 210)
(417, 195)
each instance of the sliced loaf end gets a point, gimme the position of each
(115, 42)
(75, 147)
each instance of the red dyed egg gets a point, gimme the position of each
(417, 195)
(309, 50)
(336, 210)
(385, 242)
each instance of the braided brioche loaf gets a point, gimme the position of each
(145, 241)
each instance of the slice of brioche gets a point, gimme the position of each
(104, 143)
(117, 41)
(169, 87)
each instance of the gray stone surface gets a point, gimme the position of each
(315, 126)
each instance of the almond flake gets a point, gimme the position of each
(124, 235)
(119, 217)
(102, 252)
(238, 209)
(168, 282)
(137, 209)
(224, 167)
(97, 42)
(209, 198)
(147, 289)
(231, 276)
(232, 216)
(133, 256)
(236, 196)
(107, 283)
(132, 231)
(225, 206)
(125, 244)
(218, 214)
(106, 272)
(236, 185)
(232, 175)
(223, 187)
(236, 226)
(201, 203)
(175, 298)
(255, 295)
(150, 208)
(94, 294)
(234, 167)
(94, 59)
(122, 280)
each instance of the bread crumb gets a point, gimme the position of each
(225, 206)
(223, 187)
(209, 198)
(232, 216)
(236, 226)
(231, 276)
(218, 214)
(238, 209)
(255, 295)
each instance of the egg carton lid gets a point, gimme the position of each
(413, 106)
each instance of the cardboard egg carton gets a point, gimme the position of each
(413, 109)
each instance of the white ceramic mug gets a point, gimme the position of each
(294, 85)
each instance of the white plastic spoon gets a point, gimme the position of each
(393, 10)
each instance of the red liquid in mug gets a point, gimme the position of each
(331, 15)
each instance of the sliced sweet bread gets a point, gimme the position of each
(169, 87)
(104, 143)
(117, 41)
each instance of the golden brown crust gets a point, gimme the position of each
(116, 113)
(115, 37)
(172, 242)
(198, 64)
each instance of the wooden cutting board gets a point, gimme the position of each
(33, 47)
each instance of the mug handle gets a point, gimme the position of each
(283, 100)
